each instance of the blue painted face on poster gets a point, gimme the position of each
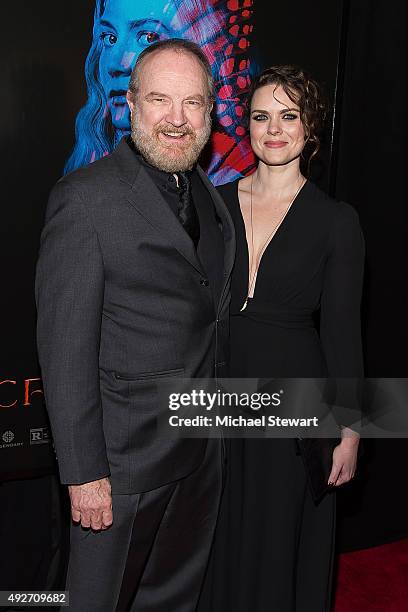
(125, 29)
(122, 29)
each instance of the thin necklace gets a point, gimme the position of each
(267, 241)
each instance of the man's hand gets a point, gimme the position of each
(344, 458)
(91, 504)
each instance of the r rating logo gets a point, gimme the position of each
(40, 435)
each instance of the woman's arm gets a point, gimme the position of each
(340, 332)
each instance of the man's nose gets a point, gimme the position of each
(176, 115)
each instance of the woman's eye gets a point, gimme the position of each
(147, 38)
(290, 116)
(259, 117)
(109, 39)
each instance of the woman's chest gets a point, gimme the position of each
(292, 260)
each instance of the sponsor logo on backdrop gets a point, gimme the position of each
(8, 439)
(40, 435)
(8, 436)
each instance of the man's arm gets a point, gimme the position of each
(69, 296)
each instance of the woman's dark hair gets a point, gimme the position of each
(304, 91)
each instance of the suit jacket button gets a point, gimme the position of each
(204, 282)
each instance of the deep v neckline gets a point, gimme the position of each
(279, 230)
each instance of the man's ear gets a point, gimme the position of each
(129, 100)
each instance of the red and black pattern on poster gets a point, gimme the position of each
(229, 52)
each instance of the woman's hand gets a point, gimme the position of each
(344, 458)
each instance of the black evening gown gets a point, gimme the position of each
(274, 547)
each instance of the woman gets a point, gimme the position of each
(298, 252)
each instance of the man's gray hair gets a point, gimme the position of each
(180, 46)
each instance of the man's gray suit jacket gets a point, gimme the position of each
(122, 301)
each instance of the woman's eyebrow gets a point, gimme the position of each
(106, 24)
(136, 23)
(284, 110)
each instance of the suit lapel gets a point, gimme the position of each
(146, 198)
(227, 230)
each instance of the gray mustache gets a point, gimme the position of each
(175, 131)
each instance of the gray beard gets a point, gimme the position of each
(161, 156)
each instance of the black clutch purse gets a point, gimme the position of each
(317, 455)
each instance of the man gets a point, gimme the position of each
(133, 286)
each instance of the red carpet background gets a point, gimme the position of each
(373, 580)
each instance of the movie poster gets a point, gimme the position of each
(123, 28)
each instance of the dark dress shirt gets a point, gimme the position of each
(210, 248)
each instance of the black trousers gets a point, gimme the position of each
(154, 556)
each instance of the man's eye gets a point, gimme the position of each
(109, 39)
(147, 38)
(259, 117)
(193, 102)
